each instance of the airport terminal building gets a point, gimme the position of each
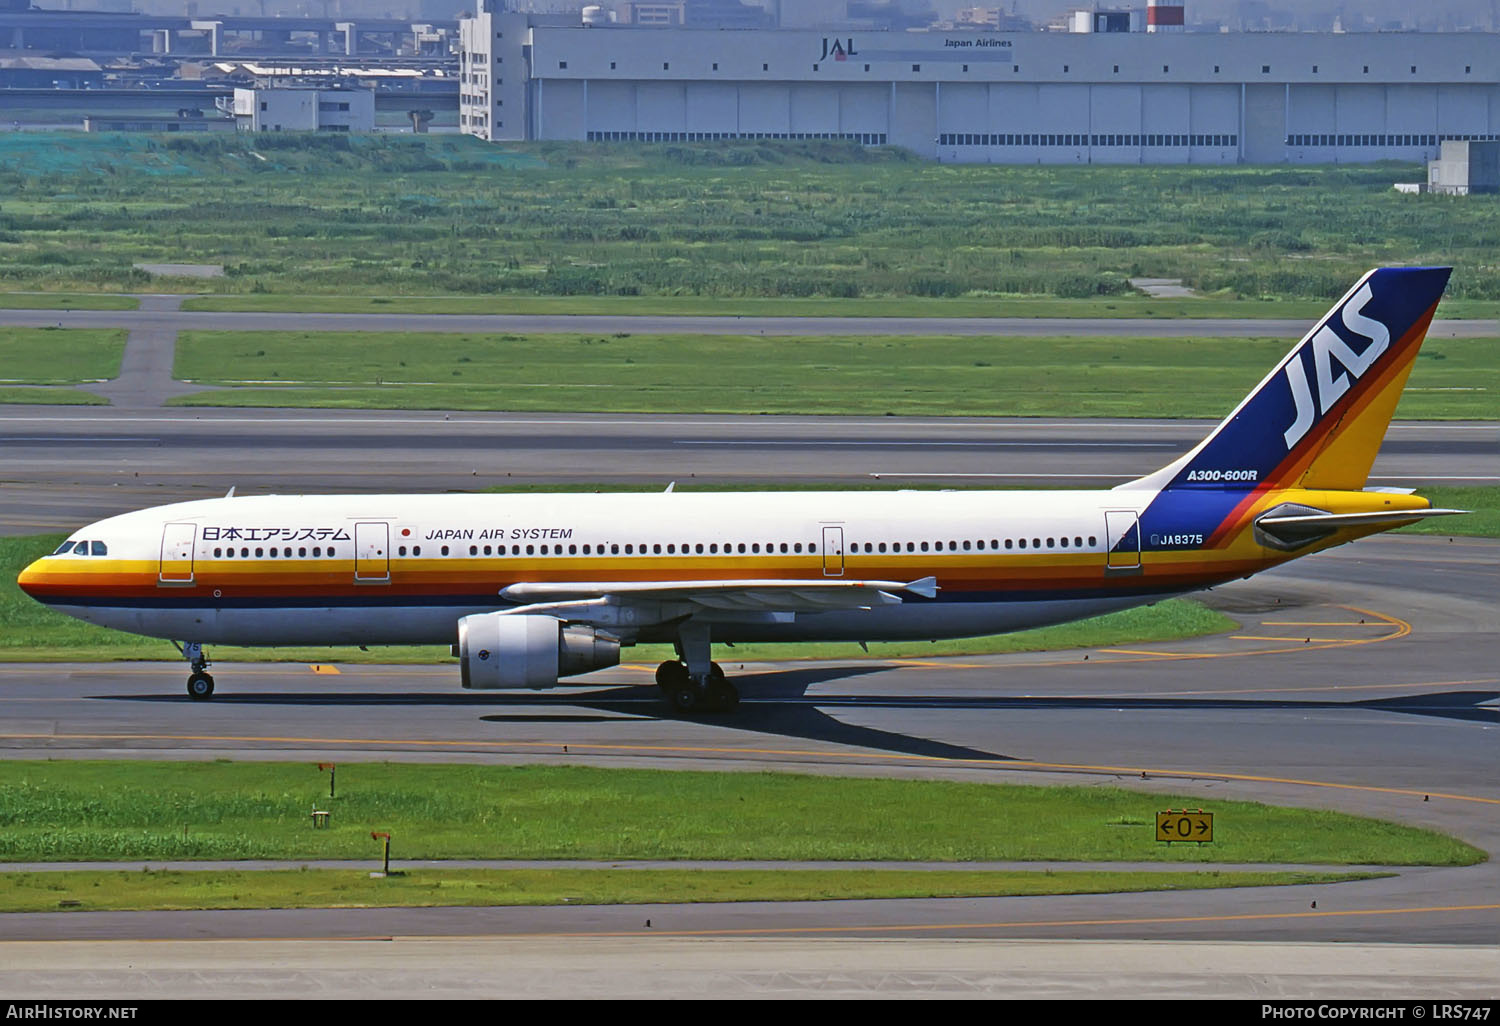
(981, 97)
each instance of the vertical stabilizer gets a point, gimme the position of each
(1317, 420)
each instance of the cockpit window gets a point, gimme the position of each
(66, 546)
(98, 548)
(81, 549)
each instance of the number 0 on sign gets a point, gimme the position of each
(1185, 826)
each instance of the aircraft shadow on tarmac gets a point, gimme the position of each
(778, 704)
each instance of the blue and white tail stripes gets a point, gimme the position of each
(1360, 347)
(1315, 422)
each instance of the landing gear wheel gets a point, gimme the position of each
(670, 675)
(722, 696)
(686, 698)
(200, 687)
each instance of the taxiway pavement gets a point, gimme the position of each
(66, 466)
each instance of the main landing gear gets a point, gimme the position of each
(714, 694)
(200, 684)
(693, 683)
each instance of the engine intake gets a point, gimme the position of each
(498, 651)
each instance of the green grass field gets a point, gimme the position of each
(930, 376)
(60, 356)
(383, 216)
(429, 887)
(1114, 307)
(65, 301)
(81, 810)
(49, 396)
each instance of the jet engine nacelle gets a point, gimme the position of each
(498, 651)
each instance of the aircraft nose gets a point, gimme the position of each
(30, 578)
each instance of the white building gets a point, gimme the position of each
(304, 110)
(1034, 97)
(1464, 168)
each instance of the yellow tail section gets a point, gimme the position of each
(1342, 462)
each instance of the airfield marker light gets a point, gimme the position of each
(387, 870)
(331, 768)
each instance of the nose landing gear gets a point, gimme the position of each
(200, 684)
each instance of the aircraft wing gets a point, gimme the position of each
(750, 595)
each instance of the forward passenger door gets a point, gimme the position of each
(372, 553)
(177, 541)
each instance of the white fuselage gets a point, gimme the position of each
(403, 569)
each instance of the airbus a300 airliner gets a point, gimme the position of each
(533, 588)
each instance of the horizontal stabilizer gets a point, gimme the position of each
(1299, 526)
(1324, 520)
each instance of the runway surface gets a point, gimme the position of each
(64, 467)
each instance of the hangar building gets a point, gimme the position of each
(1023, 97)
